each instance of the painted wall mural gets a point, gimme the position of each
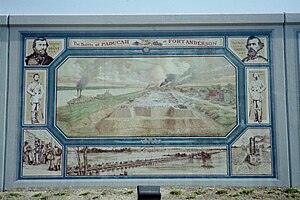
(34, 96)
(41, 153)
(132, 161)
(252, 153)
(257, 96)
(149, 96)
(138, 106)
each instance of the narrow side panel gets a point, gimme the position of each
(3, 92)
(292, 42)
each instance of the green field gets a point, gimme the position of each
(71, 115)
(223, 115)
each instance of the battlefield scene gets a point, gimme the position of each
(41, 154)
(133, 161)
(251, 153)
(146, 97)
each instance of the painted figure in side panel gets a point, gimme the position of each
(254, 45)
(256, 87)
(36, 91)
(27, 153)
(39, 55)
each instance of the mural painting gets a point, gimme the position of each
(258, 95)
(153, 96)
(146, 161)
(41, 154)
(35, 98)
(134, 111)
(252, 153)
(42, 51)
(250, 50)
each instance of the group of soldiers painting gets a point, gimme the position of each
(42, 154)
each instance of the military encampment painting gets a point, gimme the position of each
(180, 96)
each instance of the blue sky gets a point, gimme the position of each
(147, 6)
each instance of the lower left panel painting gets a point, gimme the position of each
(41, 154)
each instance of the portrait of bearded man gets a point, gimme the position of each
(254, 45)
(39, 55)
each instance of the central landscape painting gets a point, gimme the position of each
(182, 96)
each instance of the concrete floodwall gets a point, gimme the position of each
(201, 141)
(292, 55)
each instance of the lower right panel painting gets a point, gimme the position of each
(251, 153)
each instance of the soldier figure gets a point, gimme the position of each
(57, 157)
(256, 87)
(35, 90)
(36, 152)
(25, 152)
(50, 157)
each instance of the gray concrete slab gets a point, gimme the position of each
(292, 54)
(292, 18)
(113, 20)
(3, 92)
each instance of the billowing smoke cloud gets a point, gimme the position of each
(169, 80)
(88, 71)
(81, 84)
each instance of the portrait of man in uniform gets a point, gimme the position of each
(256, 88)
(36, 91)
(254, 45)
(39, 55)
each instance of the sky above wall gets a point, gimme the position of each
(33, 7)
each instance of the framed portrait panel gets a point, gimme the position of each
(258, 106)
(35, 88)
